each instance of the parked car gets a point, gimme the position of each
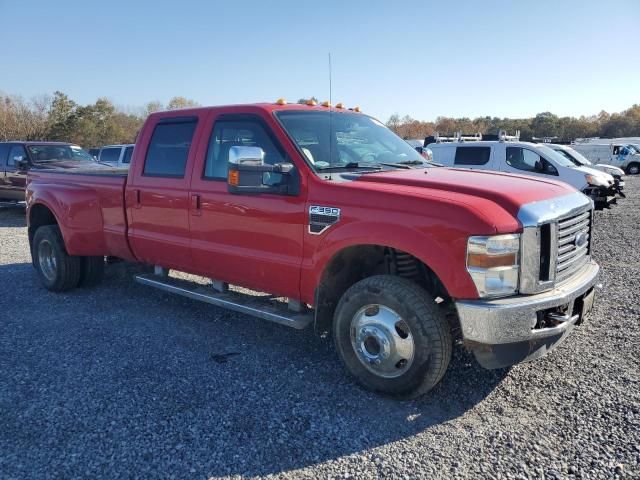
(578, 159)
(621, 155)
(117, 155)
(18, 157)
(510, 155)
(335, 213)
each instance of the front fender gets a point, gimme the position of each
(442, 248)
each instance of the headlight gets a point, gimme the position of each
(595, 180)
(494, 264)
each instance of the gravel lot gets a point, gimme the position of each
(122, 381)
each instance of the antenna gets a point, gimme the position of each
(330, 120)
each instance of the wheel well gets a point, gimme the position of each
(39, 215)
(355, 263)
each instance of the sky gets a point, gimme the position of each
(419, 58)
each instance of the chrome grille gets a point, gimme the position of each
(570, 257)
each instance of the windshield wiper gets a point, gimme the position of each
(353, 166)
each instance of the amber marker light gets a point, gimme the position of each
(234, 178)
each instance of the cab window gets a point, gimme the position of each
(4, 153)
(169, 147)
(15, 152)
(110, 155)
(529, 161)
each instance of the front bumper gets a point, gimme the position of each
(511, 330)
(602, 196)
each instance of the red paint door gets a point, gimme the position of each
(158, 195)
(249, 240)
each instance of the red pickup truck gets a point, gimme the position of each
(344, 227)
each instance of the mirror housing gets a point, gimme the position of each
(247, 171)
(21, 162)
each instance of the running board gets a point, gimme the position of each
(261, 307)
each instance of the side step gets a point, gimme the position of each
(261, 307)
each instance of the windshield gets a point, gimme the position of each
(634, 149)
(50, 153)
(355, 141)
(555, 156)
(575, 157)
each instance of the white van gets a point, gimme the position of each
(578, 159)
(117, 155)
(509, 154)
(622, 155)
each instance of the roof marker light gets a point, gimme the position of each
(326, 103)
(281, 101)
(311, 102)
(339, 105)
(357, 109)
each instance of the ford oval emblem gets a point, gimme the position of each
(581, 239)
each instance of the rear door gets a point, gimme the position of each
(249, 240)
(157, 195)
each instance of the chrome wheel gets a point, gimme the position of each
(47, 260)
(382, 341)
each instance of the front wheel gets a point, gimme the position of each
(392, 337)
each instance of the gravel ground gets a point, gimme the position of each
(123, 381)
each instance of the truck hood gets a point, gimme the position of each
(507, 190)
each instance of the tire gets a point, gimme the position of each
(58, 271)
(633, 168)
(91, 271)
(363, 321)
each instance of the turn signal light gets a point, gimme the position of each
(491, 261)
(234, 178)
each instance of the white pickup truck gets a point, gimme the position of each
(116, 155)
(509, 154)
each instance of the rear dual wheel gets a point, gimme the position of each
(58, 271)
(392, 337)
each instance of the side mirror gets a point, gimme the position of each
(247, 172)
(21, 162)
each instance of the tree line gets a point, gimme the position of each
(562, 129)
(58, 118)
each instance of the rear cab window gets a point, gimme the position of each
(110, 155)
(169, 147)
(472, 156)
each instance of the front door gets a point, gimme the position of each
(157, 198)
(249, 240)
(524, 161)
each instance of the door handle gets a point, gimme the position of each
(137, 200)
(196, 204)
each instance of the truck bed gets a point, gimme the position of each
(94, 208)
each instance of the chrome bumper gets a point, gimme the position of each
(503, 331)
